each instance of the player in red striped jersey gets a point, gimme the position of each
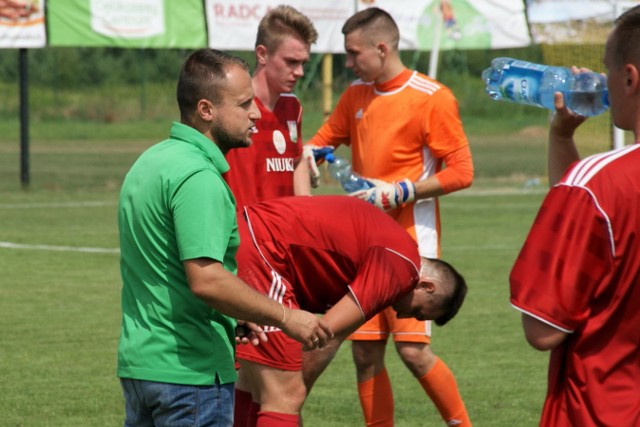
(266, 169)
(295, 250)
(576, 280)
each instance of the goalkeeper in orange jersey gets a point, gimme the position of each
(401, 126)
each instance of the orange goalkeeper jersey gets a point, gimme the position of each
(404, 128)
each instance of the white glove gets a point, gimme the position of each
(313, 154)
(388, 195)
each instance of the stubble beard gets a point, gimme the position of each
(227, 140)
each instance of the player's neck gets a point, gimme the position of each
(262, 91)
(391, 71)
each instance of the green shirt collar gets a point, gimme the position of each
(190, 135)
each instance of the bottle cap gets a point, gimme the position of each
(330, 157)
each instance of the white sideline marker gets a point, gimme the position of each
(11, 245)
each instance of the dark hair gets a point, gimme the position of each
(202, 76)
(284, 21)
(626, 37)
(454, 301)
(376, 22)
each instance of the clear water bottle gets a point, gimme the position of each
(340, 169)
(534, 84)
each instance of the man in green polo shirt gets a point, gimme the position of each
(178, 240)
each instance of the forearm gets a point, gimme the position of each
(561, 153)
(226, 293)
(428, 188)
(301, 181)
(343, 318)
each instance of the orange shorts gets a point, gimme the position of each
(384, 323)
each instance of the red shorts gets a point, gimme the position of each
(384, 323)
(281, 351)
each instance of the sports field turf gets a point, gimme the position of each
(59, 305)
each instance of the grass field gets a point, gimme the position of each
(60, 286)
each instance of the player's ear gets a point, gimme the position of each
(427, 285)
(205, 110)
(383, 49)
(261, 54)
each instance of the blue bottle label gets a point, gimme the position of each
(521, 82)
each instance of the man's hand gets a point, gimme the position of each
(564, 121)
(313, 155)
(249, 332)
(306, 328)
(388, 195)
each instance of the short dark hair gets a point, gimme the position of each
(284, 21)
(626, 38)
(202, 76)
(375, 21)
(454, 301)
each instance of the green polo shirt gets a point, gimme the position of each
(175, 206)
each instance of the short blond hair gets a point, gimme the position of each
(281, 22)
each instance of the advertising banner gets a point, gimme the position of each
(127, 23)
(233, 24)
(22, 24)
(574, 21)
(457, 24)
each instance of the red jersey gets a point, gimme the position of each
(327, 246)
(264, 170)
(579, 271)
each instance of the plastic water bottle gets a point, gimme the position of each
(534, 84)
(340, 169)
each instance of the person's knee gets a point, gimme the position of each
(418, 357)
(367, 353)
(285, 398)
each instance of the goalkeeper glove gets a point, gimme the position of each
(312, 155)
(388, 195)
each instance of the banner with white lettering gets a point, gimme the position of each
(127, 23)
(457, 24)
(22, 24)
(233, 24)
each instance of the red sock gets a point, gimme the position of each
(376, 399)
(277, 419)
(441, 386)
(242, 408)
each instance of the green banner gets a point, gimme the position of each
(127, 23)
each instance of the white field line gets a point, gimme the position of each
(64, 205)
(11, 245)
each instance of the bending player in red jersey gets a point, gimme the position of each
(333, 254)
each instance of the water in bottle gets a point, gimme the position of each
(534, 84)
(340, 169)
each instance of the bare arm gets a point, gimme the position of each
(562, 148)
(301, 181)
(343, 318)
(225, 292)
(457, 175)
(429, 187)
(540, 335)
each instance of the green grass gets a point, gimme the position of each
(60, 317)
(60, 308)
